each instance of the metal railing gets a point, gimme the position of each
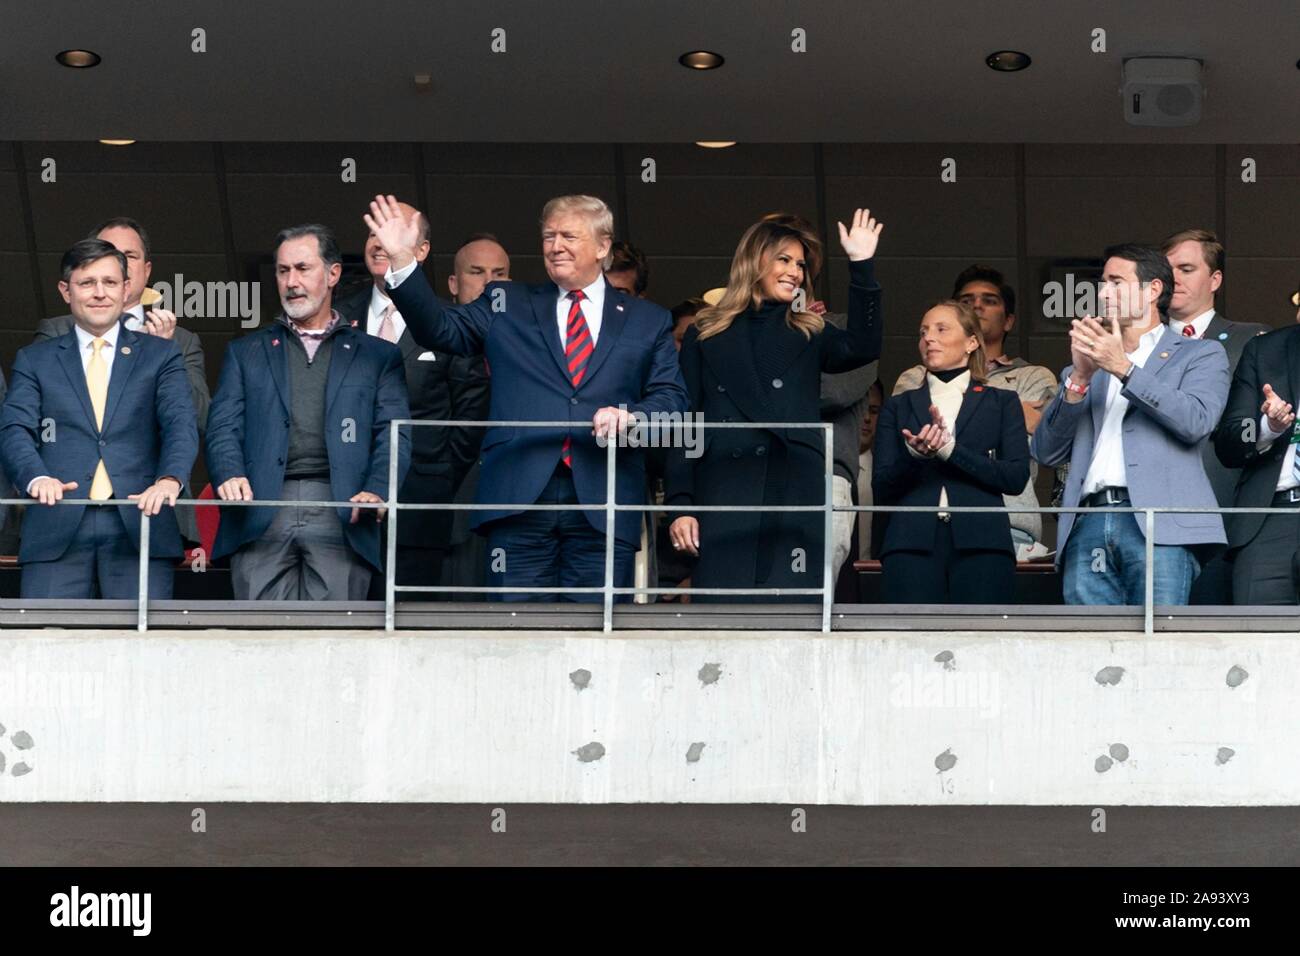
(394, 507)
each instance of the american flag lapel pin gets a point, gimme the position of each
(275, 341)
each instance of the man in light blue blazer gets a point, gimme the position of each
(1135, 408)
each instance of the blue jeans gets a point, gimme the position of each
(1105, 563)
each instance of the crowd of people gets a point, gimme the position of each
(1165, 403)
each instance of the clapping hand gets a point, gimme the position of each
(1098, 346)
(932, 437)
(860, 240)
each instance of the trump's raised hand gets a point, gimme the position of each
(397, 232)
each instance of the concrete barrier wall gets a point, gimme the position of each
(700, 717)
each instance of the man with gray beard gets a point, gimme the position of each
(302, 412)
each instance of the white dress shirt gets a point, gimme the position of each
(134, 317)
(1200, 324)
(1107, 469)
(865, 460)
(593, 305)
(1286, 478)
(947, 396)
(593, 308)
(379, 302)
(86, 346)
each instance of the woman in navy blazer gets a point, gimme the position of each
(956, 441)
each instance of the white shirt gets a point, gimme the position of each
(865, 460)
(593, 305)
(379, 302)
(947, 396)
(1286, 477)
(1200, 324)
(86, 345)
(134, 317)
(1107, 469)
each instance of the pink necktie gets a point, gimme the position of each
(386, 330)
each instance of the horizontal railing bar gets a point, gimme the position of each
(507, 589)
(650, 421)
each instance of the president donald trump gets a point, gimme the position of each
(572, 349)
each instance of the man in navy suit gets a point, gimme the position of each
(302, 411)
(572, 349)
(100, 412)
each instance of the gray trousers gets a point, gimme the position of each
(303, 556)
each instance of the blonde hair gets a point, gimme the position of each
(754, 254)
(598, 215)
(977, 361)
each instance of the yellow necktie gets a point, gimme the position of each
(101, 489)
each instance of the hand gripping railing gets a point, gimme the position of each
(611, 508)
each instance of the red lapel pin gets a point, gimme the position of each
(979, 388)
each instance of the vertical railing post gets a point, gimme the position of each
(828, 549)
(608, 622)
(1148, 600)
(390, 564)
(142, 608)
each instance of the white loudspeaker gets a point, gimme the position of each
(1162, 91)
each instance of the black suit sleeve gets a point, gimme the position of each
(845, 349)
(468, 383)
(679, 478)
(894, 471)
(1238, 430)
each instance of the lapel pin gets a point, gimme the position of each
(1164, 355)
(979, 388)
(1223, 336)
(275, 341)
(354, 323)
(347, 345)
(619, 307)
(126, 350)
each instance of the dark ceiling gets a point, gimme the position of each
(601, 71)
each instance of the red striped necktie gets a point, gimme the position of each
(578, 347)
(1189, 331)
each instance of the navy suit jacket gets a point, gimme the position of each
(248, 428)
(514, 325)
(48, 427)
(990, 459)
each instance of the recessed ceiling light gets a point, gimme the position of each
(78, 59)
(701, 60)
(714, 143)
(117, 142)
(1007, 61)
